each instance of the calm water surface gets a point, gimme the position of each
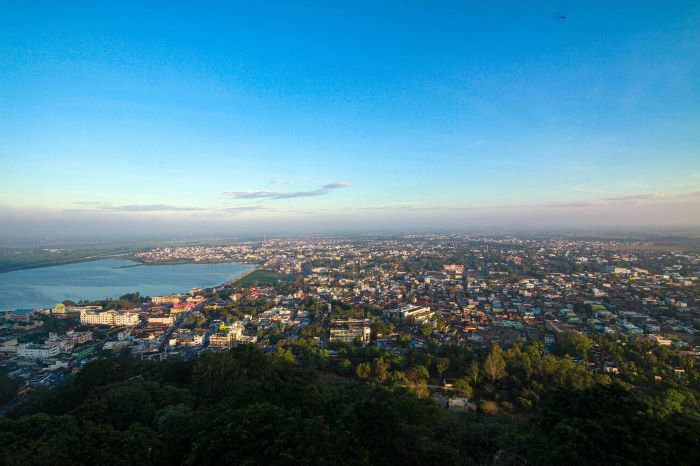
(46, 286)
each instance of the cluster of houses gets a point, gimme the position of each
(500, 290)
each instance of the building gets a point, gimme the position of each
(188, 338)
(162, 320)
(31, 351)
(660, 340)
(126, 318)
(121, 318)
(8, 345)
(196, 299)
(413, 314)
(219, 340)
(454, 268)
(229, 338)
(67, 342)
(166, 299)
(350, 330)
(20, 315)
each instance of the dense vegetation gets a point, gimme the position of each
(246, 407)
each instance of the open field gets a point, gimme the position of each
(263, 277)
(646, 247)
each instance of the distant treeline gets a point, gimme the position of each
(19, 259)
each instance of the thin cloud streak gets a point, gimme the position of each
(107, 207)
(275, 195)
(636, 197)
(244, 209)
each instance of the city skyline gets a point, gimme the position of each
(273, 117)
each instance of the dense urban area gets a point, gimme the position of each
(434, 349)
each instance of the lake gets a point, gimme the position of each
(108, 278)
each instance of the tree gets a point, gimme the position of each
(474, 372)
(380, 369)
(344, 367)
(604, 424)
(574, 344)
(363, 370)
(397, 377)
(417, 374)
(441, 365)
(463, 388)
(495, 364)
(8, 386)
(382, 328)
(672, 401)
(285, 355)
(489, 406)
(527, 366)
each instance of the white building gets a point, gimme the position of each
(122, 318)
(126, 318)
(188, 338)
(30, 351)
(414, 314)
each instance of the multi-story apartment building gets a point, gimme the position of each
(162, 320)
(121, 318)
(166, 299)
(31, 351)
(66, 342)
(228, 338)
(350, 330)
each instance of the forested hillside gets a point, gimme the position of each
(244, 407)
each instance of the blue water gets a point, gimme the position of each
(46, 286)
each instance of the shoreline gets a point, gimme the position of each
(241, 277)
(43, 265)
(149, 264)
(116, 256)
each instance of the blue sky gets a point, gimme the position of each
(272, 115)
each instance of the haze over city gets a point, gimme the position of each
(310, 117)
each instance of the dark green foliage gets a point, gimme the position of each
(607, 424)
(574, 344)
(243, 407)
(8, 386)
